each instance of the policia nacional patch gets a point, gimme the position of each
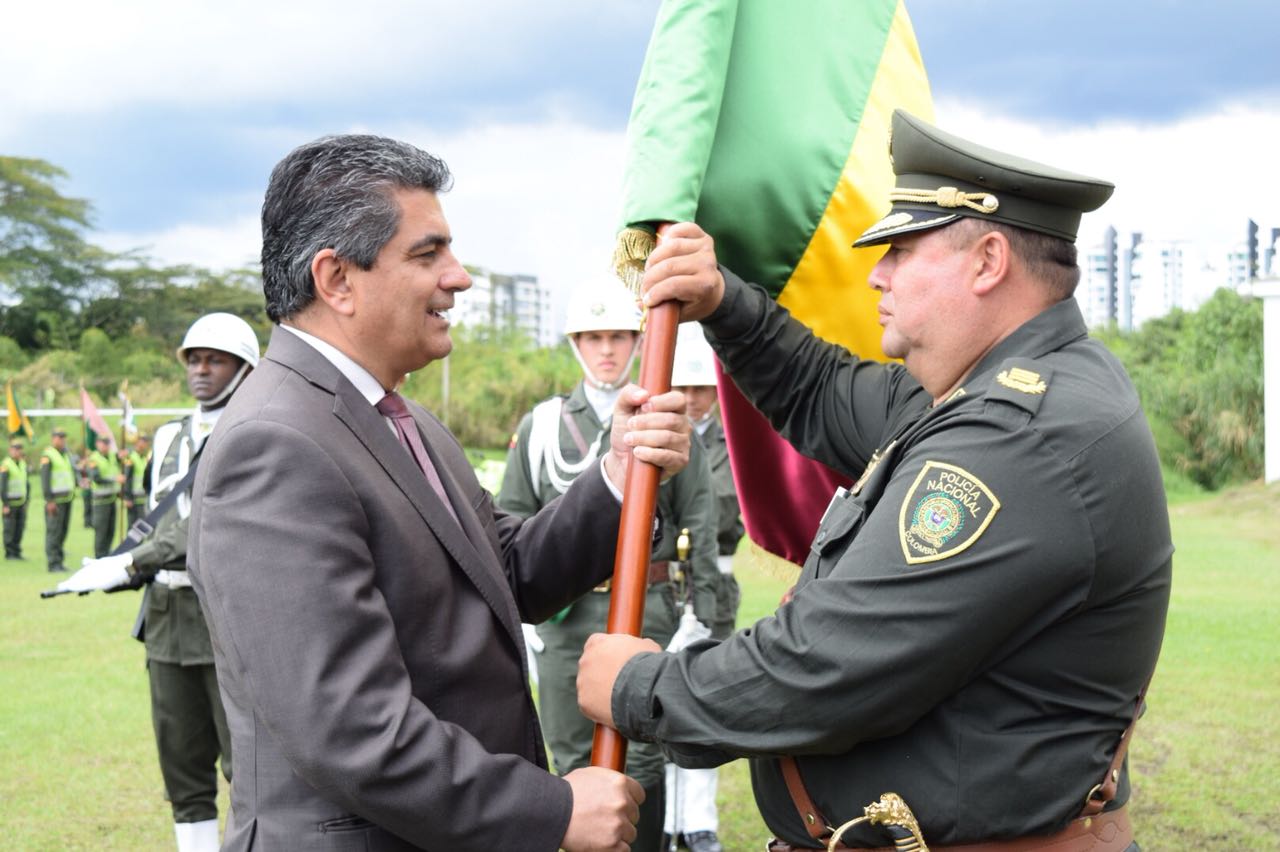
(945, 511)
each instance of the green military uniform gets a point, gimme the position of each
(730, 528)
(1001, 568)
(15, 490)
(135, 485)
(103, 473)
(979, 613)
(186, 709)
(58, 485)
(86, 487)
(683, 501)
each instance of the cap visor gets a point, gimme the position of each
(903, 221)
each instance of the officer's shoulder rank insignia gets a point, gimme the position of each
(1019, 379)
(1022, 383)
(946, 510)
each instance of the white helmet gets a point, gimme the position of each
(695, 363)
(223, 332)
(607, 306)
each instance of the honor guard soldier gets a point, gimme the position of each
(691, 793)
(553, 444)
(15, 490)
(103, 472)
(58, 485)
(135, 479)
(980, 612)
(80, 461)
(219, 350)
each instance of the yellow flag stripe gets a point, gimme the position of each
(828, 288)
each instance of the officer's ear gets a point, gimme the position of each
(992, 258)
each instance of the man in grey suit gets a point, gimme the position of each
(363, 593)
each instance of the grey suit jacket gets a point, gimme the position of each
(368, 648)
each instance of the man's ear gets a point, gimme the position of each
(333, 287)
(993, 257)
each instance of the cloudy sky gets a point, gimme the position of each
(168, 116)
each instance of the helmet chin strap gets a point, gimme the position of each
(622, 376)
(221, 399)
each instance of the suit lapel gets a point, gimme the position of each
(477, 559)
(487, 560)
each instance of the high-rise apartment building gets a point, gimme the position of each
(507, 302)
(1129, 279)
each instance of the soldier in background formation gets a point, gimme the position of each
(190, 725)
(80, 461)
(15, 490)
(58, 486)
(691, 819)
(135, 478)
(557, 441)
(102, 470)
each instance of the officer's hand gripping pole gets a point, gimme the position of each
(639, 495)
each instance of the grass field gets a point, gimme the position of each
(78, 768)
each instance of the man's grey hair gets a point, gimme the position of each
(1051, 260)
(338, 193)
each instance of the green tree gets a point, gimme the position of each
(1200, 378)
(46, 265)
(495, 376)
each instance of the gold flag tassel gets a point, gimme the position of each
(891, 810)
(629, 254)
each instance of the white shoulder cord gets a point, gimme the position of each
(544, 447)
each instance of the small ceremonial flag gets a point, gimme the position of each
(19, 425)
(94, 426)
(767, 124)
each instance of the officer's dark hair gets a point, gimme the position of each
(1051, 260)
(335, 192)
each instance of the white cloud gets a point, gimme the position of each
(539, 199)
(77, 56)
(1198, 178)
(220, 245)
(542, 198)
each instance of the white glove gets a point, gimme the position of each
(691, 630)
(105, 573)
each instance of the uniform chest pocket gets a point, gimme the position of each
(843, 518)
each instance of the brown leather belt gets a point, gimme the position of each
(659, 572)
(1106, 832)
(1080, 835)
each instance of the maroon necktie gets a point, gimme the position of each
(392, 405)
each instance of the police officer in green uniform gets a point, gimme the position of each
(135, 479)
(58, 485)
(553, 444)
(980, 612)
(103, 472)
(190, 725)
(15, 490)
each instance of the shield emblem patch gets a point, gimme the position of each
(946, 510)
